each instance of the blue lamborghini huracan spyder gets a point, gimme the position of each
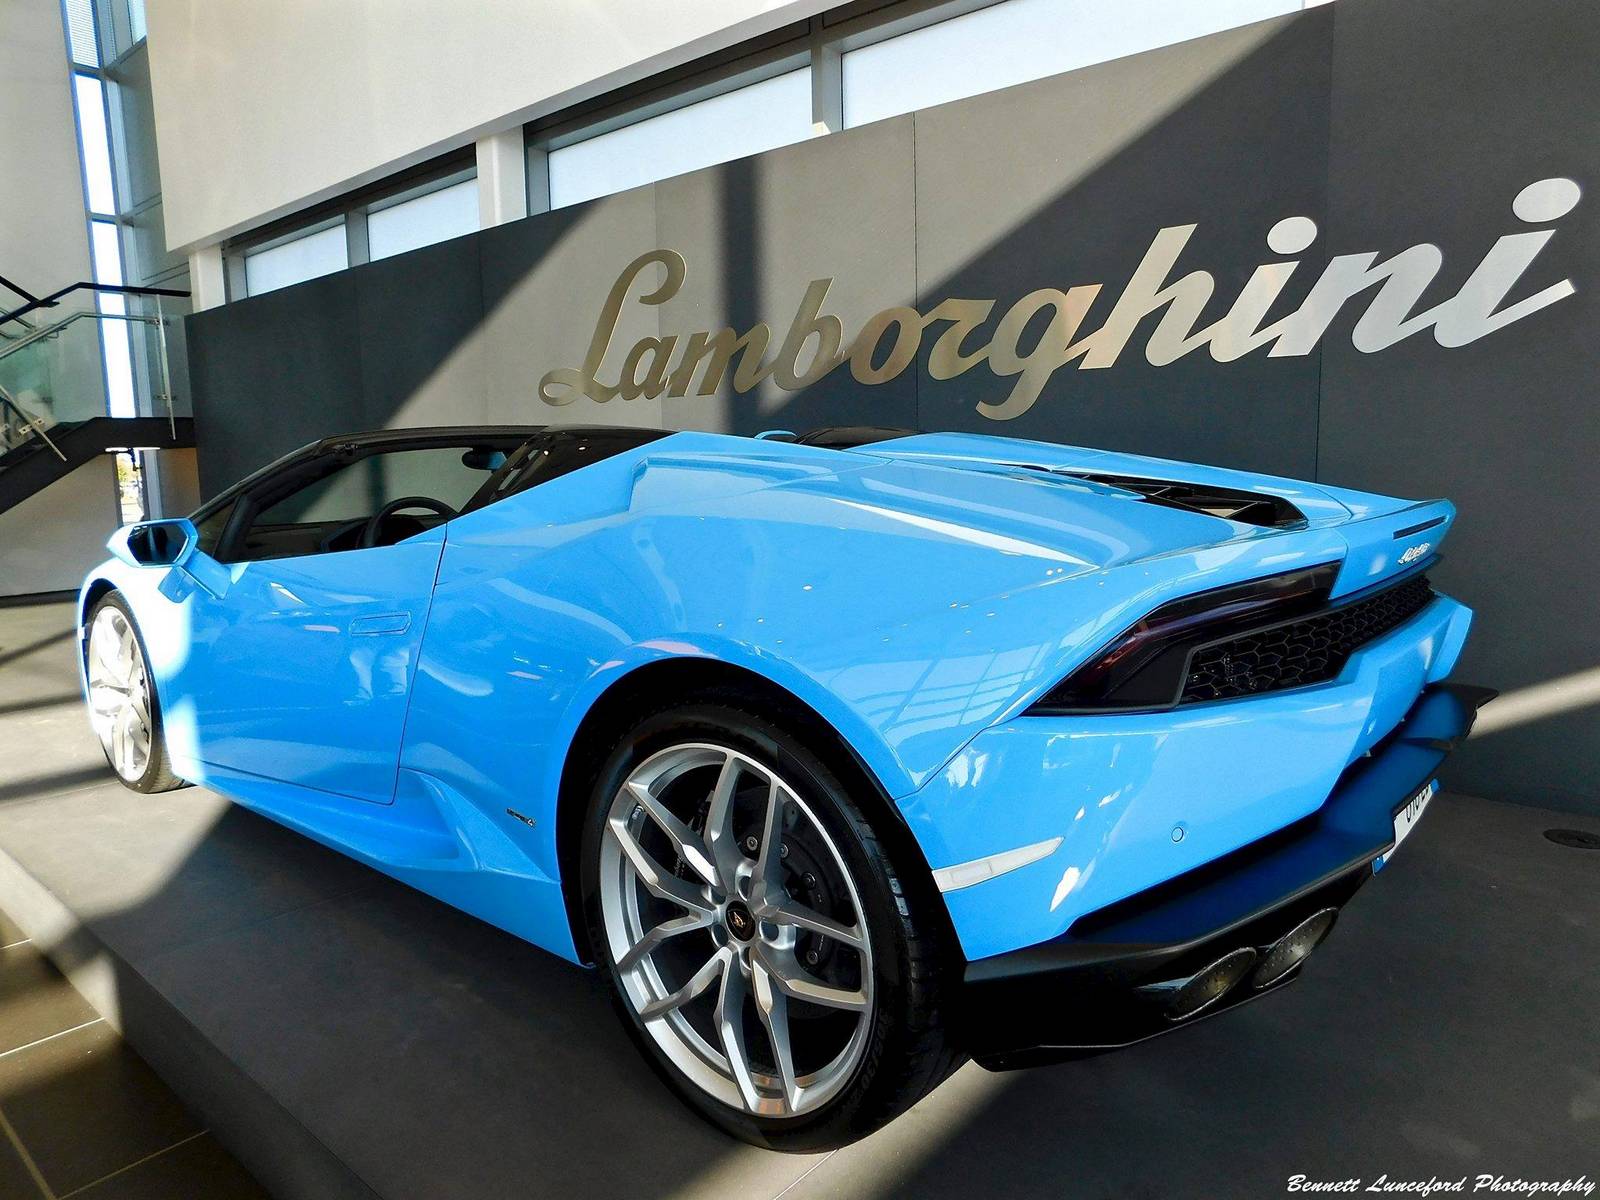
(843, 757)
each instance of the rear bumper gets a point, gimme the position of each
(1080, 993)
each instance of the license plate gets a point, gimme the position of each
(1405, 820)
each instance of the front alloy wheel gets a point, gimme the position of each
(753, 932)
(123, 708)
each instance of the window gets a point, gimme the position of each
(762, 116)
(559, 452)
(81, 42)
(1019, 40)
(95, 143)
(326, 504)
(106, 246)
(209, 526)
(305, 257)
(434, 216)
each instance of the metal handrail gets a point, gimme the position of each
(54, 298)
(45, 331)
(33, 333)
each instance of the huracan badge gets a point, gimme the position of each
(1412, 553)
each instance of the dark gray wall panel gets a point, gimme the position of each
(545, 281)
(1443, 112)
(1066, 181)
(755, 233)
(272, 373)
(418, 313)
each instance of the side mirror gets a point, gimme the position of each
(157, 543)
(172, 543)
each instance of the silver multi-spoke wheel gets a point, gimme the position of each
(119, 694)
(737, 932)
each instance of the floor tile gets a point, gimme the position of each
(199, 1169)
(85, 1104)
(16, 1182)
(35, 999)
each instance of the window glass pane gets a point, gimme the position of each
(80, 33)
(105, 246)
(560, 452)
(130, 486)
(434, 217)
(328, 514)
(210, 529)
(293, 262)
(136, 24)
(95, 145)
(1020, 40)
(775, 112)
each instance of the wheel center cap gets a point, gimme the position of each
(740, 921)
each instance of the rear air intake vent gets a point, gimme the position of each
(1298, 653)
(1263, 635)
(1248, 508)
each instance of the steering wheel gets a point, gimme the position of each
(369, 533)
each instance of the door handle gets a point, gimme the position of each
(381, 623)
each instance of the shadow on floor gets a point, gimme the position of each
(327, 1019)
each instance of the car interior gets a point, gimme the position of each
(360, 494)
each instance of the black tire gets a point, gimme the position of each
(158, 775)
(907, 1052)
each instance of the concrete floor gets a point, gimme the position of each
(1448, 1028)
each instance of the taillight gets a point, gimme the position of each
(1144, 666)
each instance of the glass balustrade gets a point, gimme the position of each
(53, 368)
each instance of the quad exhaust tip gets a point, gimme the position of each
(1181, 999)
(1293, 948)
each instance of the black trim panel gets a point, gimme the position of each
(1410, 530)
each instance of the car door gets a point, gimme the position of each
(302, 669)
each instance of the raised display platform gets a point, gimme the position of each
(345, 1036)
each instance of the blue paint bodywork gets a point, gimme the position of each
(919, 595)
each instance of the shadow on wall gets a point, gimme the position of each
(1257, 174)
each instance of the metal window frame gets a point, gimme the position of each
(351, 209)
(819, 42)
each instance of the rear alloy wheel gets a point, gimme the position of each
(749, 923)
(123, 709)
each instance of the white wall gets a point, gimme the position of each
(44, 243)
(262, 108)
(50, 540)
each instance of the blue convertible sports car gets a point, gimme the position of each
(843, 757)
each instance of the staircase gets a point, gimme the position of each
(36, 464)
(60, 406)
